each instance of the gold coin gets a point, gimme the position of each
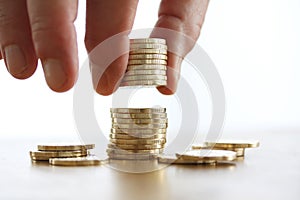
(145, 67)
(79, 161)
(138, 141)
(148, 51)
(144, 77)
(233, 144)
(138, 132)
(65, 147)
(139, 121)
(141, 151)
(138, 110)
(147, 62)
(146, 72)
(172, 159)
(148, 40)
(129, 137)
(240, 152)
(142, 126)
(56, 154)
(136, 147)
(203, 155)
(139, 115)
(148, 46)
(148, 56)
(144, 83)
(131, 157)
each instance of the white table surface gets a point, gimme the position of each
(271, 171)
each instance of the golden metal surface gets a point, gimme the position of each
(204, 155)
(139, 115)
(138, 141)
(148, 56)
(135, 46)
(64, 147)
(145, 67)
(147, 62)
(148, 51)
(78, 161)
(148, 40)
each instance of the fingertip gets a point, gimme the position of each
(166, 90)
(108, 82)
(57, 78)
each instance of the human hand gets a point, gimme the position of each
(35, 29)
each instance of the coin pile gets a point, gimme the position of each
(65, 154)
(137, 133)
(147, 63)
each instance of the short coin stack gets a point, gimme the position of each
(65, 154)
(137, 133)
(147, 64)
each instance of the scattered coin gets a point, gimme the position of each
(79, 161)
(172, 159)
(46, 155)
(204, 155)
(233, 144)
(64, 147)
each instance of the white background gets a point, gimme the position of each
(254, 44)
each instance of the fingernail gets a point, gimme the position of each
(54, 74)
(15, 59)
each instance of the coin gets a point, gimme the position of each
(172, 159)
(134, 126)
(146, 72)
(79, 161)
(150, 62)
(65, 147)
(138, 141)
(139, 115)
(148, 56)
(44, 155)
(240, 152)
(145, 67)
(139, 121)
(233, 144)
(139, 132)
(203, 155)
(148, 46)
(138, 110)
(141, 151)
(144, 83)
(131, 157)
(148, 40)
(144, 77)
(129, 137)
(148, 51)
(136, 147)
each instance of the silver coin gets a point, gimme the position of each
(144, 83)
(146, 72)
(148, 56)
(144, 77)
(148, 40)
(149, 62)
(148, 46)
(146, 67)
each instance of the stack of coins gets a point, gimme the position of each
(198, 157)
(137, 133)
(65, 154)
(147, 64)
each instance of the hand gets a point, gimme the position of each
(35, 29)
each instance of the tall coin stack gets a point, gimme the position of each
(137, 133)
(147, 64)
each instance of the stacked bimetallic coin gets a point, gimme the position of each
(137, 133)
(147, 64)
